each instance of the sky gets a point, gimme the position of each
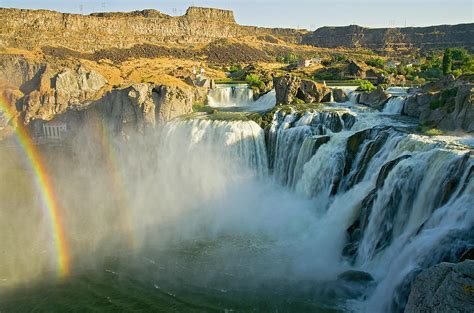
(308, 14)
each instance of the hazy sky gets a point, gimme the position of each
(308, 14)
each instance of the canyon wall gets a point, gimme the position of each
(433, 37)
(29, 29)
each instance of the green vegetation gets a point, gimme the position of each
(447, 61)
(254, 81)
(235, 68)
(365, 85)
(376, 62)
(289, 58)
(446, 100)
(298, 101)
(201, 107)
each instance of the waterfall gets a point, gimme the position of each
(353, 97)
(394, 105)
(240, 98)
(240, 141)
(288, 133)
(230, 96)
(413, 180)
(394, 203)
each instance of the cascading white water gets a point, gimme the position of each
(353, 97)
(393, 203)
(230, 96)
(238, 140)
(394, 105)
(411, 193)
(241, 98)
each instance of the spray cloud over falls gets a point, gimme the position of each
(227, 206)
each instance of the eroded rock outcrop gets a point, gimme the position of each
(445, 287)
(290, 89)
(58, 92)
(123, 30)
(375, 99)
(339, 95)
(446, 104)
(142, 106)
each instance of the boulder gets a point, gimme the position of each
(445, 287)
(312, 92)
(339, 95)
(375, 99)
(289, 88)
(286, 88)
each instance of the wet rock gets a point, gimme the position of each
(467, 255)
(445, 287)
(339, 95)
(375, 99)
(356, 276)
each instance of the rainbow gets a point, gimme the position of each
(45, 186)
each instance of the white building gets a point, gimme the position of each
(55, 130)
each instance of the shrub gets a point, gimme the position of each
(291, 58)
(298, 101)
(254, 81)
(235, 68)
(433, 132)
(365, 85)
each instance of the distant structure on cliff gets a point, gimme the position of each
(54, 129)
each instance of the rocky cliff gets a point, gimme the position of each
(445, 287)
(30, 29)
(41, 92)
(433, 37)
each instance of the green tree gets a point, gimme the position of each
(447, 61)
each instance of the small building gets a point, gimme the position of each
(54, 129)
(305, 63)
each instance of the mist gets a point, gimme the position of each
(206, 212)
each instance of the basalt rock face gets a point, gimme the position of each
(447, 104)
(143, 105)
(445, 287)
(375, 99)
(59, 92)
(40, 92)
(123, 30)
(289, 89)
(433, 37)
